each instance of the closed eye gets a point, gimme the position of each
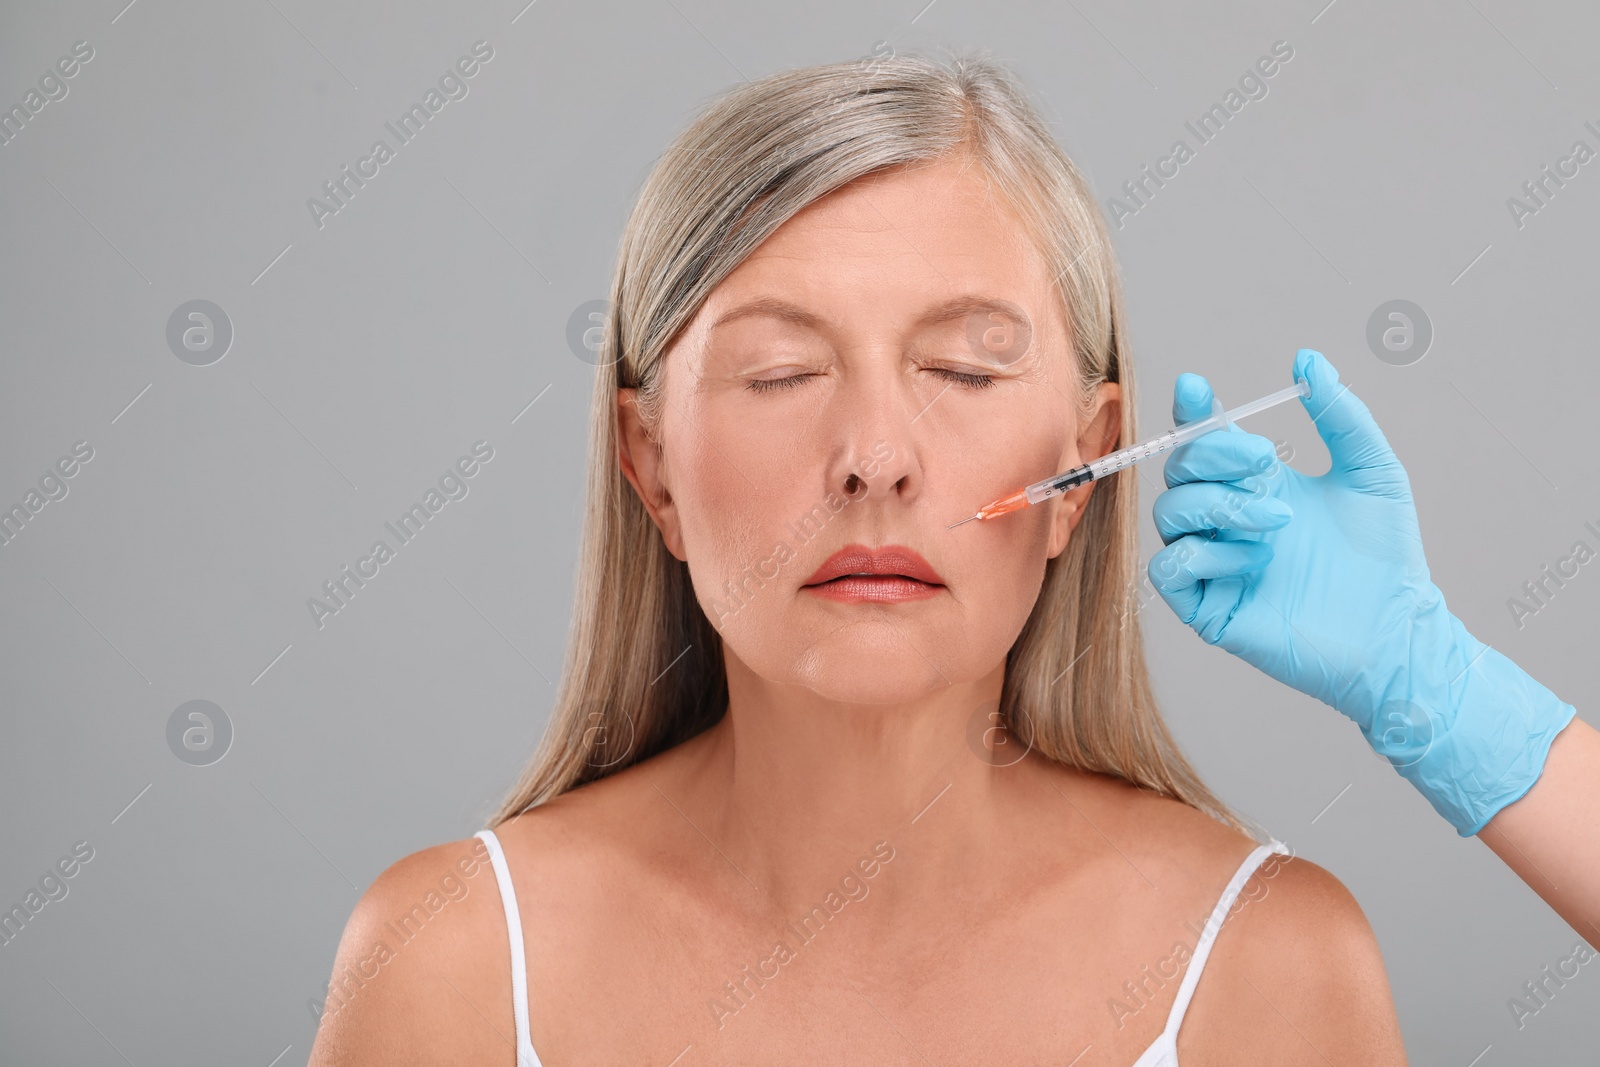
(772, 385)
(974, 381)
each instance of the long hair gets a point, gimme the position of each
(643, 668)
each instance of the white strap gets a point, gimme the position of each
(526, 1057)
(1208, 935)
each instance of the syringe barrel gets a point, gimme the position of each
(1127, 457)
(1055, 486)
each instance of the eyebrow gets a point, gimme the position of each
(949, 311)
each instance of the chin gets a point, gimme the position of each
(854, 666)
(870, 683)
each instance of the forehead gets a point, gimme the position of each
(895, 246)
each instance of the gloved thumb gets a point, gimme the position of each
(1345, 424)
(1191, 398)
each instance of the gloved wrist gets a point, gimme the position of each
(1464, 724)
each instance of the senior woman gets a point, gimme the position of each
(825, 780)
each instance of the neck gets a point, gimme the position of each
(796, 790)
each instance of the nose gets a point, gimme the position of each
(877, 457)
(878, 472)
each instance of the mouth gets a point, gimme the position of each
(889, 569)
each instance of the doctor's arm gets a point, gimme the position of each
(1551, 837)
(1321, 583)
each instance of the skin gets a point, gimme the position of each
(1018, 897)
(1551, 836)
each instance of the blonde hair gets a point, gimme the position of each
(644, 665)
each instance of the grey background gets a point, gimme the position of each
(369, 354)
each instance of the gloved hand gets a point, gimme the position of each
(1320, 582)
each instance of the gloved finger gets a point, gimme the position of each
(1343, 421)
(1177, 570)
(1191, 398)
(1221, 457)
(1198, 507)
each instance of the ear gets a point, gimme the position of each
(1099, 437)
(643, 466)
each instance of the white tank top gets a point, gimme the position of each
(1162, 1052)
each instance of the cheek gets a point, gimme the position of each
(1006, 557)
(1009, 566)
(989, 460)
(745, 515)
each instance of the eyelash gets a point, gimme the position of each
(975, 381)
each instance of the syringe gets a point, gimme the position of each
(1127, 457)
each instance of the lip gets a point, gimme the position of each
(887, 561)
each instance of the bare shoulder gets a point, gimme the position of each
(423, 969)
(1163, 840)
(421, 974)
(1295, 975)
(1294, 966)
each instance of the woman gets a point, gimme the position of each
(928, 813)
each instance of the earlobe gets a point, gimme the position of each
(641, 463)
(1063, 523)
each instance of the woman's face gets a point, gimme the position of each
(873, 333)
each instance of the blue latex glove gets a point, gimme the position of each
(1321, 583)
